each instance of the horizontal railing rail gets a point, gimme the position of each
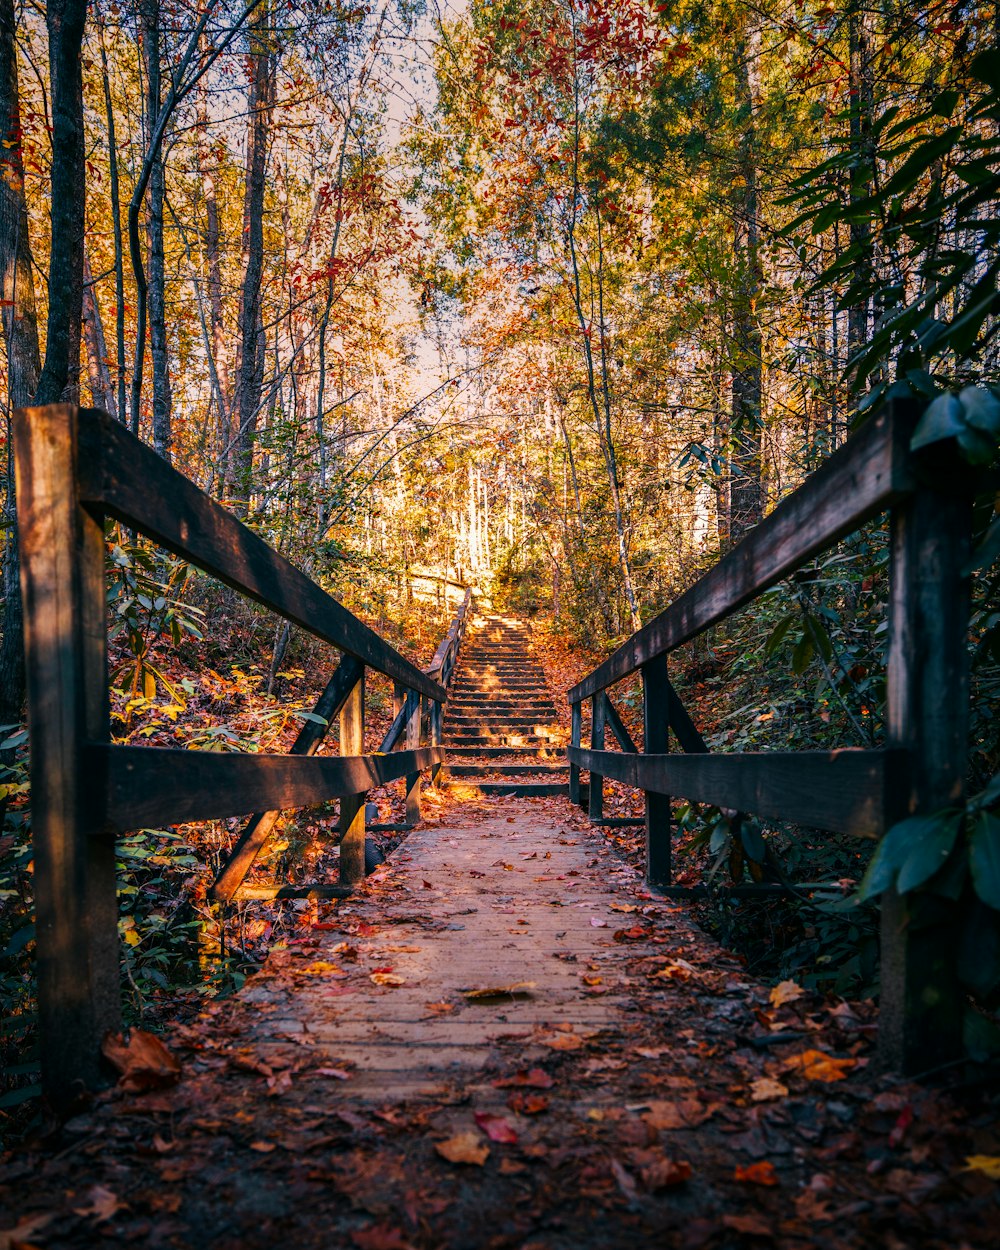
(75, 468)
(922, 766)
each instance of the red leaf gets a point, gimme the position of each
(496, 1127)
(757, 1174)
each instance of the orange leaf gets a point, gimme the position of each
(464, 1148)
(757, 1174)
(143, 1061)
(816, 1065)
(785, 992)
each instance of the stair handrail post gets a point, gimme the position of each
(927, 713)
(576, 740)
(655, 729)
(413, 779)
(352, 806)
(598, 726)
(76, 907)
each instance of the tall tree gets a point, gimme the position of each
(20, 331)
(60, 377)
(162, 400)
(250, 366)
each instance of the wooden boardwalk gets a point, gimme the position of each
(520, 899)
(639, 1090)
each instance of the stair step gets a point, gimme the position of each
(491, 770)
(520, 789)
(495, 740)
(462, 751)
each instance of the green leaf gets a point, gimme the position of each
(929, 846)
(944, 104)
(984, 857)
(17, 1096)
(753, 841)
(803, 653)
(986, 68)
(720, 837)
(980, 409)
(311, 716)
(778, 633)
(942, 419)
(924, 840)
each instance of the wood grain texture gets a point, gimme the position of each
(132, 483)
(656, 706)
(62, 584)
(927, 714)
(598, 726)
(155, 786)
(864, 477)
(841, 791)
(352, 806)
(259, 826)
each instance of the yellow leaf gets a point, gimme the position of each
(464, 1148)
(765, 1089)
(814, 1065)
(989, 1165)
(520, 989)
(785, 992)
(387, 978)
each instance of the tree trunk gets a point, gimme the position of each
(102, 393)
(116, 222)
(208, 161)
(60, 377)
(862, 87)
(746, 491)
(250, 368)
(162, 399)
(20, 330)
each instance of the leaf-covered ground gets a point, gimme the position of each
(706, 1110)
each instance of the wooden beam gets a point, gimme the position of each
(352, 806)
(412, 775)
(576, 739)
(656, 690)
(65, 626)
(922, 1005)
(258, 828)
(842, 791)
(864, 477)
(598, 724)
(617, 727)
(685, 730)
(155, 786)
(129, 481)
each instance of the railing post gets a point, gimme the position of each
(922, 1006)
(352, 806)
(576, 740)
(598, 722)
(413, 779)
(655, 712)
(76, 908)
(436, 719)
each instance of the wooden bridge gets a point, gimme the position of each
(505, 935)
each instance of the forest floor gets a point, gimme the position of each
(503, 1040)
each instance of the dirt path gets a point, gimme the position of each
(634, 1089)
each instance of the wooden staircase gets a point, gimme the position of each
(501, 730)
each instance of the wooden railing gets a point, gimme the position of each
(74, 468)
(922, 766)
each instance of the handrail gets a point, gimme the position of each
(922, 767)
(74, 467)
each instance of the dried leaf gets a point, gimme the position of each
(520, 989)
(25, 1230)
(441, 1008)
(766, 1089)
(597, 923)
(534, 1078)
(466, 1147)
(387, 978)
(559, 1041)
(989, 1165)
(263, 1147)
(527, 1104)
(381, 1237)
(592, 980)
(663, 1173)
(749, 1225)
(496, 1127)
(663, 1114)
(143, 1061)
(338, 1074)
(785, 992)
(815, 1065)
(756, 1173)
(102, 1204)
